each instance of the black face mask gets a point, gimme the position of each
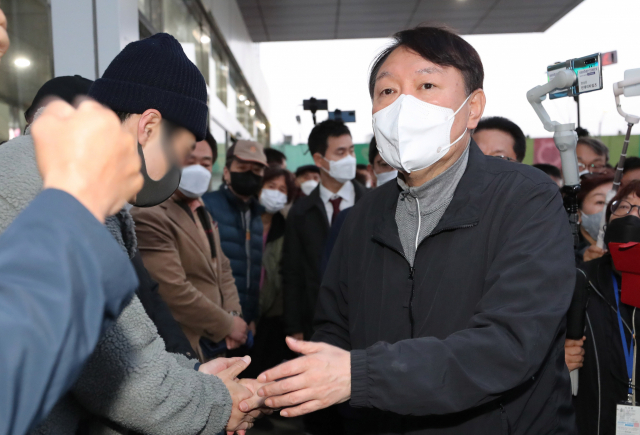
(623, 230)
(245, 183)
(156, 192)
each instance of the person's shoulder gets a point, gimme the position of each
(150, 215)
(519, 175)
(302, 205)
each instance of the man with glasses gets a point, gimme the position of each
(593, 156)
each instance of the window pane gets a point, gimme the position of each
(27, 65)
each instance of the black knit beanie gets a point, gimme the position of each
(154, 73)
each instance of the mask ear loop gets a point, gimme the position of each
(465, 130)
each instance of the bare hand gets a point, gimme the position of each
(315, 381)
(592, 253)
(4, 36)
(238, 333)
(256, 402)
(574, 353)
(86, 153)
(239, 420)
(218, 365)
(252, 327)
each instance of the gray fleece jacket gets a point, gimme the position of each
(130, 382)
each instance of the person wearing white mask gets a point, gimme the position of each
(442, 309)
(308, 226)
(270, 348)
(379, 170)
(180, 247)
(307, 178)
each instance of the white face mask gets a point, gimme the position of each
(342, 170)
(273, 200)
(413, 135)
(195, 181)
(308, 186)
(384, 177)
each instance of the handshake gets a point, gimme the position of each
(318, 379)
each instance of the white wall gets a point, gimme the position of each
(230, 22)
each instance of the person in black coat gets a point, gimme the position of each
(604, 375)
(309, 222)
(443, 308)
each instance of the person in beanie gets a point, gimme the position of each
(238, 213)
(131, 383)
(67, 88)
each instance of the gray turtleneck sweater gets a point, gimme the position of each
(430, 200)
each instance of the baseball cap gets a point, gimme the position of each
(247, 151)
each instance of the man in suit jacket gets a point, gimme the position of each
(180, 246)
(309, 222)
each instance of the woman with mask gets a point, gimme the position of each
(591, 202)
(270, 347)
(605, 355)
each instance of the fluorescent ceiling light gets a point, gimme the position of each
(205, 39)
(22, 62)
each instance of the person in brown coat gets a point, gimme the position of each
(180, 246)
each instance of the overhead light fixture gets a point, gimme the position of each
(261, 126)
(205, 39)
(241, 97)
(22, 62)
(252, 112)
(247, 103)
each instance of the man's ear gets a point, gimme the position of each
(318, 159)
(226, 175)
(476, 108)
(149, 126)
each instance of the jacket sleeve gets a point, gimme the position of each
(226, 281)
(293, 281)
(528, 289)
(189, 306)
(63, 279)
(145, 389)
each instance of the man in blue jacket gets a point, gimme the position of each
(55, 251)
(239, 216)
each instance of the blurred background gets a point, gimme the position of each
(262, 58)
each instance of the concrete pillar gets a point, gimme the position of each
(88, 34)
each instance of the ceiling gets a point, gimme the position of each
(294, 20)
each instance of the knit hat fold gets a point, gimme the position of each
(154, 73)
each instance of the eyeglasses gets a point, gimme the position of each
(592, 168)
(623, 208)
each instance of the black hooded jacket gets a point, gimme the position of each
(471, 340)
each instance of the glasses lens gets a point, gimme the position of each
(620, 208)
(597, 169)
(581, 166)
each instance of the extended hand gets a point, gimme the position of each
(574, 353)
(239, 421)
(315, 381)
(86, 153)
(218, 365)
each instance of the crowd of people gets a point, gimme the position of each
(425, 292)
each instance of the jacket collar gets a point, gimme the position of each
(314, 200)
(185, 222)
(239, 204)
(463, 211)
